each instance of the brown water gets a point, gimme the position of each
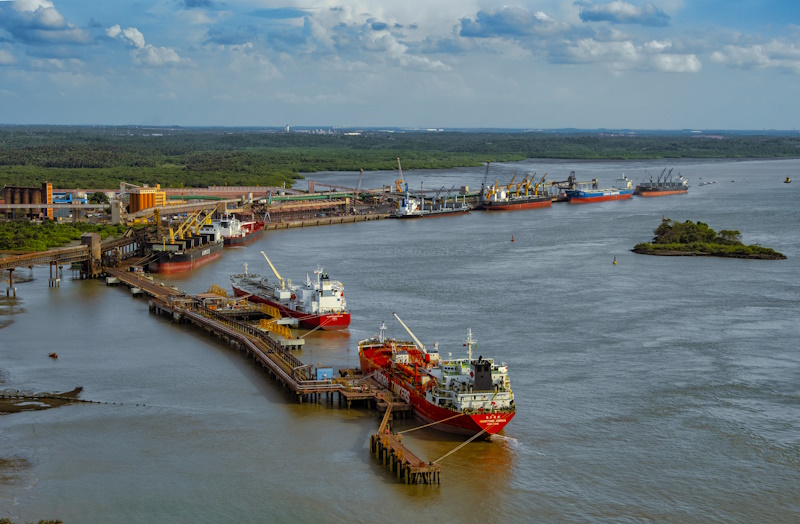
(657, 389)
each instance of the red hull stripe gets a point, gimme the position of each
(179, 267)
(508, 207)
(662, 193)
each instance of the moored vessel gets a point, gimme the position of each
(525, 195)
(188, 248)
(413, 207)
(663, 185)
(621, 189)
(237, 232)
(458, 395)
(319, 304)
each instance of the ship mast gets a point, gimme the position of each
(420, 345)
(469, 343)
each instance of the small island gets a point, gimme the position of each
(698, 240)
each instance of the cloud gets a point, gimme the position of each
(6, 58)
(620, 12)
(144, 54)
(771, 55)
(38, 22)
(504, 22)
(625, 55)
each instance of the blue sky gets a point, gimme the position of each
(665, 64)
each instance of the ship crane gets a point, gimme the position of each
(420, 345)
(398, 184)
(537, 185)
(525, 183)
(283, 283)
(508, 187)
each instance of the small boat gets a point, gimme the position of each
(52, 355)
(787, 181)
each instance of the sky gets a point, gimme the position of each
(536, 64)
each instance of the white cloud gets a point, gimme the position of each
(670, 63)
(775, 54)
(6, 58)
(143, 53)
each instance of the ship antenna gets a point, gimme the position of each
(383, 332)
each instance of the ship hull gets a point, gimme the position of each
(433, 214)
(581, 197)
(326, 322)
(168, 262)
(511, 205)
(659, 192)
(446, 420)
(255, 234)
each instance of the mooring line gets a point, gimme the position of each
(461, 446)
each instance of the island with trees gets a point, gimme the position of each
(697, 239)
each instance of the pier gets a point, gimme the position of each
(388, 448)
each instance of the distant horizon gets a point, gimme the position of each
(451, 64)
(404, 129)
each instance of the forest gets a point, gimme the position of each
(101, 157)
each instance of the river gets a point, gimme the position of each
(662, 389)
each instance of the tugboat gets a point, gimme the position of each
(458, 395)
(319, 304)
(664, 185)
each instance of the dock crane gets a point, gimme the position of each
(398, 184)
(283, 283)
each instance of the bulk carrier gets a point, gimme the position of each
(664, 185)
(621, 190)
(458, 395)
(193, 244)
(503, 198)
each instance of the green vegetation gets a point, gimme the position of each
(23, 235)
(92, 157)
(693, 239)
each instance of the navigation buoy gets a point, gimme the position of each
(512, 238)
(615, 261)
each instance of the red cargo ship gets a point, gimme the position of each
(319, 303)
(455, 395)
